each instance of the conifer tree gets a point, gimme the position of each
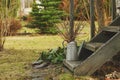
(45, 15)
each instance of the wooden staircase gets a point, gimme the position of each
(98, 51)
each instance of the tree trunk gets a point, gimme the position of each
(1, 47)
(92, 19)
(71, 20)
(100, 14)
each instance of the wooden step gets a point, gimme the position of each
(99, 57)
(71, 64)
(93, 46)
(108, 42)
(112, 28)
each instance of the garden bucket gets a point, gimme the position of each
(72, 51)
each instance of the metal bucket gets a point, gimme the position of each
(72, 51)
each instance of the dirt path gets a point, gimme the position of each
(47, 73)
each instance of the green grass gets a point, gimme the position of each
(33, 42)
(21, 51)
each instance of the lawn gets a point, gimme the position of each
(21, 51)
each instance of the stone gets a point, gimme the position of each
(37, 62)
(38, 79)
(113, 75)
(44, 64)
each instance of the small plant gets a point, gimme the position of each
(27, 18)
(53, 55)
(24, 18)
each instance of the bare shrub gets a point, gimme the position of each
(64, 29)
(15, 25)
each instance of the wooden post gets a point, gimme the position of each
(92, 19)
(71, 20)
(113, 3)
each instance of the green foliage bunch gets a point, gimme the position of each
(45, 15)
(53, 55)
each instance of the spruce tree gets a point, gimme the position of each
(45, 15)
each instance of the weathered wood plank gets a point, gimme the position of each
(99, 57)
(93, 46)
(112, 28)
(71, 64)
(103, 36)
(115, 22)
